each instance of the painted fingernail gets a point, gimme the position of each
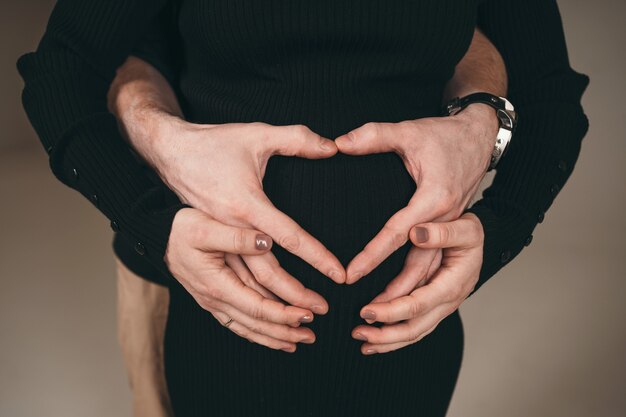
(262, 241)
(368, 314)
(318, 309)
(306, 319)
(359, 336)
(421, 234)
(370, 351)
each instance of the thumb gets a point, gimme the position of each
(372, 137)
(463, 232)
(216, 236)
(299, 140)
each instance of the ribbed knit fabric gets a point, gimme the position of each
(547, 93)
(67, 80)
(332, 65)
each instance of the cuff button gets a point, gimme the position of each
(554, 189)
(541, 216)
(94, 199)
(140, 248)
(75, 173)
(115, 226)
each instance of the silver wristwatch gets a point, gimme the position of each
(506, 117)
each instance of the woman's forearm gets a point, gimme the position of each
(546, 93)
(66, 84)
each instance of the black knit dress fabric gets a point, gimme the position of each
(332, 65)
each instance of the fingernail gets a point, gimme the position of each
(308, 340)
(325, 145)
(421, 234)
(354, 277)
(369, 321)
(368, 314)
(359, 336)
(289, 349)
(318, 309)
(296, 324)
(306, 319)
(263, 241)
(370, 351)
(335, 275)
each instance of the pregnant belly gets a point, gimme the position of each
(343, 201)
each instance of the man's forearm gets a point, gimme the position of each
(142, 100)
(546, 92)
(481, 69)
(139, 89)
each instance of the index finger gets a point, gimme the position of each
(268, 272)
(392, 236)
(419, 265)
(288, 234)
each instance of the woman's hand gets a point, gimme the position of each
(422, 310)
(196, 257)
(447, 158)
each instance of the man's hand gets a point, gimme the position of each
(422, 310)
(447, 158)
(219, 169)
(195, 256)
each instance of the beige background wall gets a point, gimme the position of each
(546, 337)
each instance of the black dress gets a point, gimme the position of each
(333, 66)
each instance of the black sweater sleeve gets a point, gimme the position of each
(66, 83)
(546, 93)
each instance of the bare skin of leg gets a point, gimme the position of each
(142, 314)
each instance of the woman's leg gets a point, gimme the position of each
(142, 314)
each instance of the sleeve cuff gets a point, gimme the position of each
(506, 231)
(139, 206)
(528, 179)
(148, 225)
